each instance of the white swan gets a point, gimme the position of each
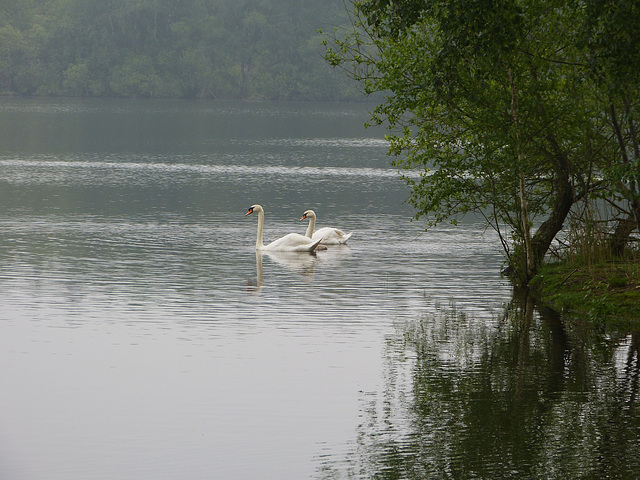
(293, 242)
(326, 235)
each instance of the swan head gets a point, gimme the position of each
(254, 208)
(308, 214)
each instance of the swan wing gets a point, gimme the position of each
(293, 242)
(331, 236)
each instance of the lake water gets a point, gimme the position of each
(142, 337)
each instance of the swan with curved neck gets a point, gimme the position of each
(326, 235)
(292, 242)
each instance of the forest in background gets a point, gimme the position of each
(233, 49)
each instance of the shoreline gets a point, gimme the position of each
(603, 293)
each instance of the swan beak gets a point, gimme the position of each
(249, 212)
(303, 217)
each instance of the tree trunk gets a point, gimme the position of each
(543, 237)
(529, 266)
(621, 234)
(526, 229)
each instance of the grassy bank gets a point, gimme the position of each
(608, 292)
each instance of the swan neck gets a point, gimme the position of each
(311, 227)
(259, 244)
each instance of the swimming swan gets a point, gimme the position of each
(293, 242)
(326, 235)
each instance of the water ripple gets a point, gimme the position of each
(212, 170)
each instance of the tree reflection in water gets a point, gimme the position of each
(527, 395)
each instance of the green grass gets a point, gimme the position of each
(606, 292)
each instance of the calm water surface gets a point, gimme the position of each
(142, 337)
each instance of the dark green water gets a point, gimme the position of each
(142, 337)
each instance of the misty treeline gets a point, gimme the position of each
(267, 49)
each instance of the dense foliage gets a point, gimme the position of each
(519, 110)
(169, 48)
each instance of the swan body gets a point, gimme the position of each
(293, 242)
(326, 235)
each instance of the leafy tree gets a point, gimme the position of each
(611, 38)
(492, 103)
(19, 66)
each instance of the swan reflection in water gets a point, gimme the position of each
(304, 264)
(255, 284)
